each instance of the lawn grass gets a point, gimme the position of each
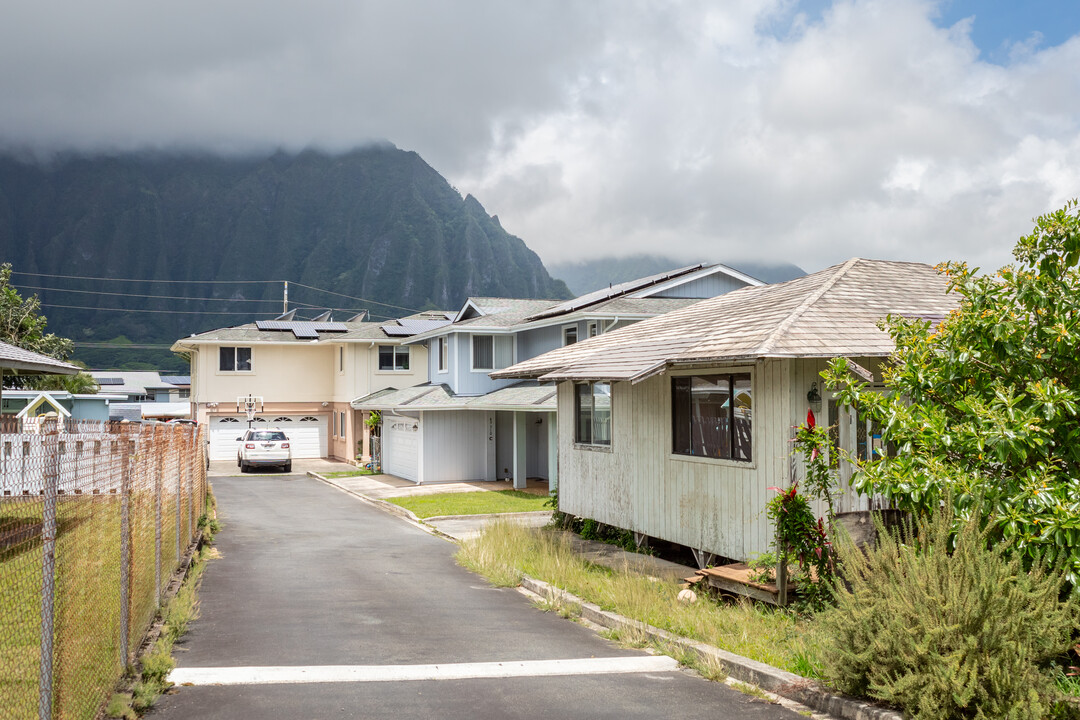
(471, 503)
(349, 473)
(504, 552)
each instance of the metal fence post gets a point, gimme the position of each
(174, 441)
(50, 445)
(192, 457)
(127, 457)
(157, 514)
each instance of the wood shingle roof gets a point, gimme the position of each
(834, 312)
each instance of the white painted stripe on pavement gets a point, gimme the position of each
(399, 673)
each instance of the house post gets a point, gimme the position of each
(520, 443)
(553, 451)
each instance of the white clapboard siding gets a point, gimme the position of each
(710, 505)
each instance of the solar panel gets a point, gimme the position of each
(413, 326)
(109, 381)
(176, 379)
(396, 331)
(302, 329)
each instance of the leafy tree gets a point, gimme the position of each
(23, 326)
(81, 384)
(984, 405)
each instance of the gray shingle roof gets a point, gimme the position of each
(15, 358)
(614, 291)
(829, 313)
(521, 396)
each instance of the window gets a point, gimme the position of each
(334, 416)
(393, 357)
(184, 394)
(308, 418)
(266, 436)
(341, 425)
(341, 358)
(592, 413)
(443, 352)
(483, 352)
(569, 335)
(593, 328)
(492, 352)
(234, 359)
(711, 416)
(282, 419)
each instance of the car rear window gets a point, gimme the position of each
(267, 435)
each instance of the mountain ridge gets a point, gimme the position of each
(378, 226)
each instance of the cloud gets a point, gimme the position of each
(737, 130)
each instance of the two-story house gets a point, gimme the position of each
(464, 425)
(300, 376)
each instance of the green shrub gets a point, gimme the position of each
(946, 634)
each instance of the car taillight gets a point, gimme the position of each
(250, 446)
(284, 445)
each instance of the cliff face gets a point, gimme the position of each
(377, 224)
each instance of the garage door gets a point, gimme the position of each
(401, 446)
(306, 433)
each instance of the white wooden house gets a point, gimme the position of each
(676, 427)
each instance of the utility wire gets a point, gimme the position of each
(141, 295)
(218, 282)
(181, 297)
(352, 297)
(203, 282)
(202, 312)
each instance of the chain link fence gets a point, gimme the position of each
(94, 518)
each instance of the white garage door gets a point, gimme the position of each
(306, 433)
(401, 446)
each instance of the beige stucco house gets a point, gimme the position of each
(303, 374)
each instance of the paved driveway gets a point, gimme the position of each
(324, 587)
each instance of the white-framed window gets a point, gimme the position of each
(341, 358)
(393, 357)
(712, 416)
(444, 352)
(334, 415)
(234, 359)
(593, 329)
(282, 419)
(341, 423)
(492, 352)
(569, 335)
(483, 352)
(592, 414)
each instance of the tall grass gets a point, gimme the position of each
(505, 551)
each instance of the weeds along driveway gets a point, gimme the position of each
(310, 576)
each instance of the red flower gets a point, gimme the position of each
(811, 422)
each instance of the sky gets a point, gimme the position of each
(773, 130)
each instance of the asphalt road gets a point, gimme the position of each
(311, 577)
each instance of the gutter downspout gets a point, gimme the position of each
(613, 322)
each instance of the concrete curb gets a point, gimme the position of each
(391, 508)
(526, 513)
(766, 677)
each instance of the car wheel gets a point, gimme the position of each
(238, 463)
(287, 467)
(244, 468)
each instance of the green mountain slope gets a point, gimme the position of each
(377, 223)
(586, 276)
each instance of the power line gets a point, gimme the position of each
(201, 282)
(180, 297)
(202, 312)
(218, 282)
(352, 297)
(173, 312)
(142, 295)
